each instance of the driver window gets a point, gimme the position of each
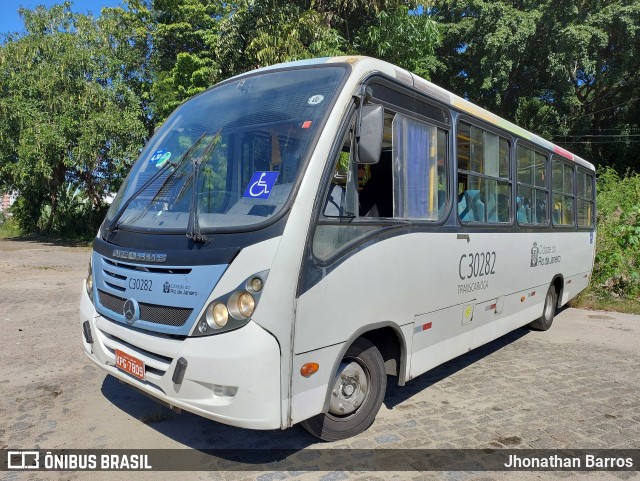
(362, 191)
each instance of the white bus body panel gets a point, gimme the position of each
(413, 281)
(229, 378)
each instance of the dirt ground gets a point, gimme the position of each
(576, 386)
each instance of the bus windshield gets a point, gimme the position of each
(229, 156)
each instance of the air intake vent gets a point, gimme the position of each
(165, 315)
(159, 270)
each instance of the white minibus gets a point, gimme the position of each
(291, 237)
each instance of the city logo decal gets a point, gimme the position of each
(543, 255)
(534, 254)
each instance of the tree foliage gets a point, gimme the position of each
(68, 119)
(565, 69)
(617, 264)
(79, 95)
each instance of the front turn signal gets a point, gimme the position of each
(309, 369)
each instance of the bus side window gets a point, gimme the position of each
(483, 175)
(419, 154)
(532, 194)
(562, 175)
(376, 196)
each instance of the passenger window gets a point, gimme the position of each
(585, 199)
(484, 189)
(408, 181)
(532, 198)
(562, 186)
(419, 153)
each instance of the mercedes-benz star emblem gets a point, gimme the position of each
(131, 311)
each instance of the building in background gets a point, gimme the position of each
(7, 200)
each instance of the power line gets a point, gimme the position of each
(606, 108)
(624, 130)
(597, 142)
(606, 136)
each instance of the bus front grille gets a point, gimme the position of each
(165, 315)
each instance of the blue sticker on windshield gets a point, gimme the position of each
(261, 184)
(157, 155)
(164, 158)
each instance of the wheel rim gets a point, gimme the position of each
(548, 306)
(350, 389)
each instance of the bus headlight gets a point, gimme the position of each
(241, 304)
(217, 315)
(256, 284)
(232, 310)
(246, 304)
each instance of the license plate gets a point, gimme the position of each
(130, 364)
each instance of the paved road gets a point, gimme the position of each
(575, 386)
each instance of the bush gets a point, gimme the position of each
(616, 271)
(8, 226)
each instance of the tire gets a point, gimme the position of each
(549, 311)
(354, 404)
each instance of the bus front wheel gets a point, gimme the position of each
(356, 395)
(546, 319)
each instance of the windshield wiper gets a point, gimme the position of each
(113, 225)
(193, 227)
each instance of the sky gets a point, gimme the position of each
(10, 21)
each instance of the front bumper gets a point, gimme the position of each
(233, 378)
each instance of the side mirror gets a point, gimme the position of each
(371, 131)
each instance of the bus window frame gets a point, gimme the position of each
(418, 96)
(548, 185)
(592, 200)
(573, 166)
(386, 225)
(475, 122)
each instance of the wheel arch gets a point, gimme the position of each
(558, 283)
(387, 337)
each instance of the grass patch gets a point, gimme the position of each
(592, 301)
(9, 228)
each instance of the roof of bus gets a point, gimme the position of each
(365, 65)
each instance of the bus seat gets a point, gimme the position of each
(492, 212)
(522, 215)
(475, 205)
(503, 208)
(523, 212)
(464, 212)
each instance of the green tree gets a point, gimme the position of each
(69, 119)
(567, 70)
(200, 42)
(183, 32)
(407, 40)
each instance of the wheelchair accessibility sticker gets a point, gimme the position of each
(157, 155)
(261, 184)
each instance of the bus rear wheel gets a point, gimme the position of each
(356, 394)
(549, 311)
